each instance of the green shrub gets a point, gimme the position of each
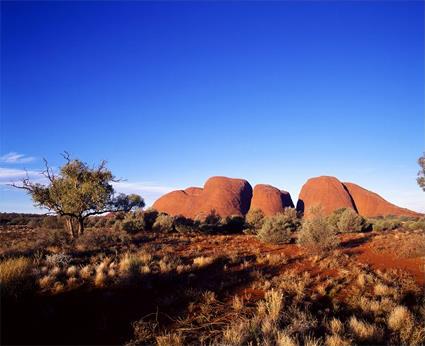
(15, 276)
(350, 221)
(233, 224)
(334, 218)
(149, 217)
(133, 222)
(254, 220)
(184, 225)
(389, 224)
(278, 229)
(210, 223)
(415, 225)
(316, 233)
(163, 223)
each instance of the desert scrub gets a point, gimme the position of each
(278, 229)
(184, 225)
(15, 276)
(233, 224)
(254, 220)
(163, 223)
(347, 220)
(317, 234)
(133, 222)
(379, 225)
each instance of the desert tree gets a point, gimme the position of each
(78, 191)
(421, 173)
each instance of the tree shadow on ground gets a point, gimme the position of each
(104, 316)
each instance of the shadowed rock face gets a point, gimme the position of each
(226, 196)
(370, 204)
(270, 199)
(326, 191)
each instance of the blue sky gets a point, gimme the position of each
(170, 93)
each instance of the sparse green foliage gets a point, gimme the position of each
(350, 221)
(387, 224)
(78, 192)
(316, 233)
(149, 216)
(133, 222)
(254, 219)
(163, 223)
(233, 224)
(279, 228)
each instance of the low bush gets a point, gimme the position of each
(233, 224)
(163, 223)
(133, 222)
(149, 216)
(278, 229)
(350, 221)
(317, 234)
(379, 225)
(184, 225)
(211, 223)
(415, 225)
(254, 219)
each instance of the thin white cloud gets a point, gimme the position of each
(14, 157)
(11, 175)
(150, 191)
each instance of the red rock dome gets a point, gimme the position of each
(370, 204)
(270, 199)
(328, 192)
(226, 196)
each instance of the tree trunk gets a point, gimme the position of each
(69, 225)
(80, 226)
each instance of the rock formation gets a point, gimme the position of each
(328, 192)
(226, 196)
(270, 199)
(370, 204)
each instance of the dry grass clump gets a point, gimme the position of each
(364, 331)
(399, 317)
(316, 234)
(169, 340)
(202, 261)
(337, 340)
(15, 275)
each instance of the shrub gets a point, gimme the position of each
(255, 219)
(387, 224)
(278, 229)
(416, 225)
(163, 223)
(184, 225)
(15, 276)
(350, 221)
(133, 223)
(317, 234)
(149, 217)
(210, 223)
(334, 218)
(233, 224)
